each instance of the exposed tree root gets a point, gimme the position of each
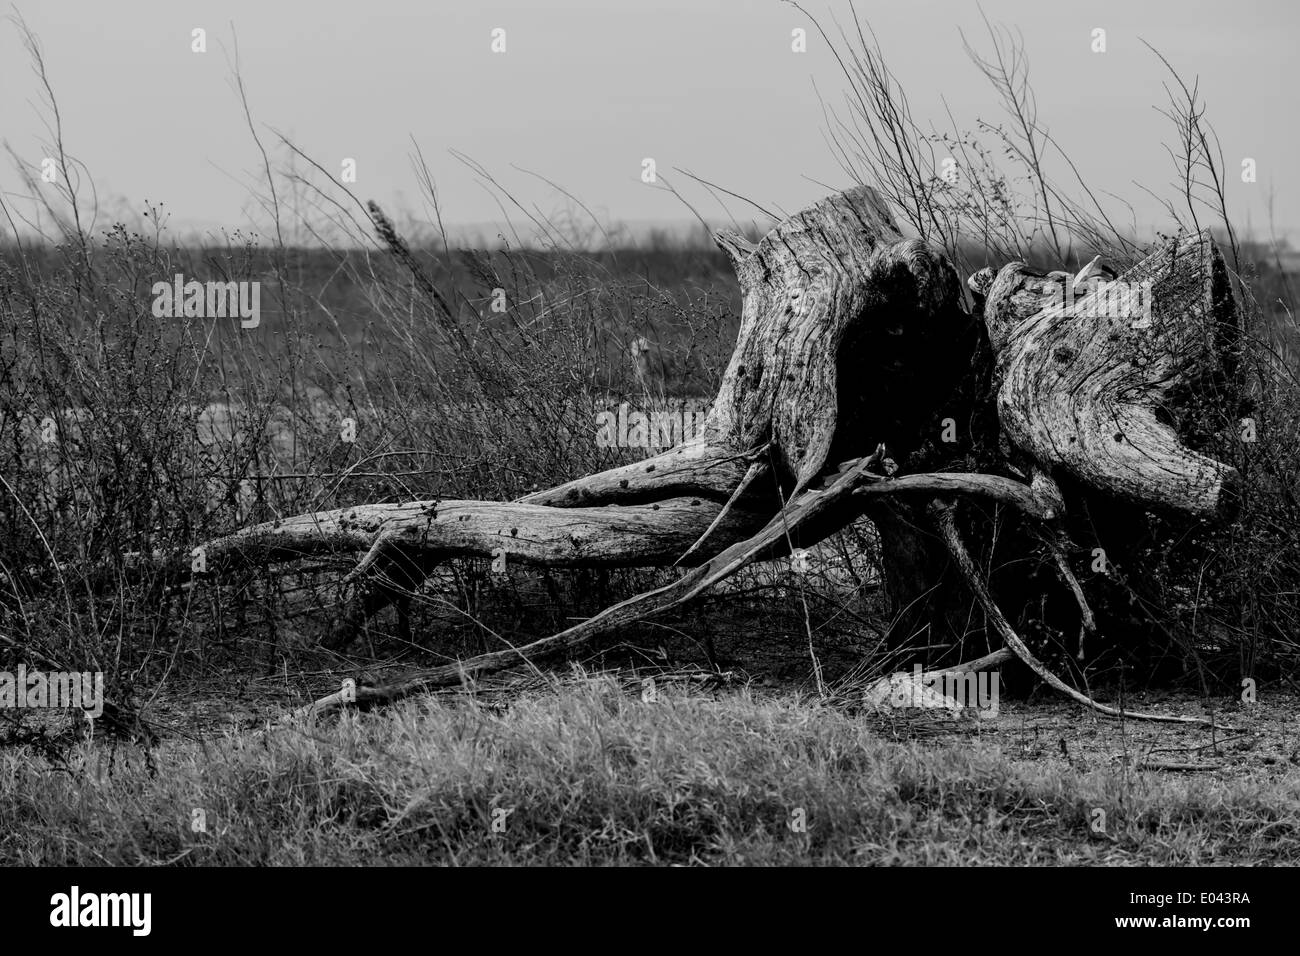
(810, 507)
(818, 510)
(756, 470)
(943, 514)
(1087, 622)
(995, 659)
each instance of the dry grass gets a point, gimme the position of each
(585, 773)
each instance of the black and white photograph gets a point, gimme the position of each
(505, 434)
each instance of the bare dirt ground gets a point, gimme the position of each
(1262, 745)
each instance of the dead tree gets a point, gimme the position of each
(856, 358)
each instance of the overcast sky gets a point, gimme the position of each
(588, 88)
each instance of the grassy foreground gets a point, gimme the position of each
(586, 773)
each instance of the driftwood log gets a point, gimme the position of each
(861, 383)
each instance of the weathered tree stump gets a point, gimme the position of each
(1097, 396)
(1082, 390)
(855, 348)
